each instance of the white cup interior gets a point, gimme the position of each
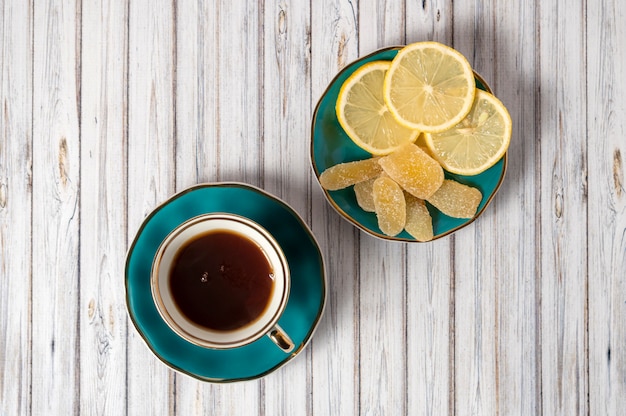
(200, 335)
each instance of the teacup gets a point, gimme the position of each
(222, 281)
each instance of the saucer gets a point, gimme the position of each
(330, 145)
(306, 298)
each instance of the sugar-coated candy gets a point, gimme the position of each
(456, 199)
(415, 171)
(364, 194)
(419, 223)
(390, 205)
(343, 175)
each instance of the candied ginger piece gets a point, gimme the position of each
(343, 175)
(364, 192)
(415, 171)
(419, 223)
(456, 199)
(390, 205)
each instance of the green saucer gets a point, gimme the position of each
(330, 145)
(306, 299)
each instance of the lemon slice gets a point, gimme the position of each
(362, 112)
(477, 142)
(430, 87)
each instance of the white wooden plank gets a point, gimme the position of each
(286, 116)
(197, 92)
(429, 336)
(563, 241)
(103, 323)
(239, 140)
(336, 360)
(606, 115)
(476, 280)
(382, 288)
(16, 92)
(287, 103)
(151, 385)
(429, 277)
(381, 24)
(56, 212)
(518, 292)
(475, 322)
(382, 341)
(429, 20)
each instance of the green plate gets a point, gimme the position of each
(307, 296)
(330, 145)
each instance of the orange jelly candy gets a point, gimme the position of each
(390, 205)
(364, 192)
(419, 223)
(343, 175)
(415, 171)
(456, 200)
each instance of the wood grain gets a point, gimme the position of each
(103, 112)
(197, 88)
(16, 159)
(518, 293)
(56, 211)
(238, 143)
(563, 211)
(606, 115)
(430, 329)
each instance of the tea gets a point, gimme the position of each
(221, 280)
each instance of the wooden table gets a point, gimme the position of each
(110, 107)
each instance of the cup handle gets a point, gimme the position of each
(281, 339)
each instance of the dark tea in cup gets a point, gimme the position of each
(222, 281)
